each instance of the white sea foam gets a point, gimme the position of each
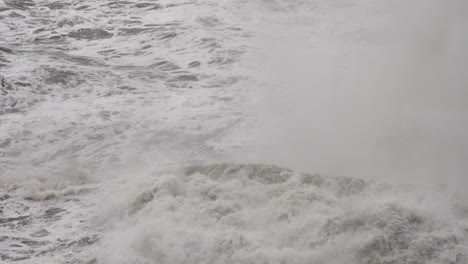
(146, 100)
(253, 213)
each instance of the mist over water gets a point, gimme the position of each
(374, 91)
(266, 131)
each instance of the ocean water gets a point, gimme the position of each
(233, 131)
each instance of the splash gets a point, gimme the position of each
(184, 114)
(251, 213)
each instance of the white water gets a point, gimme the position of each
(117, 118)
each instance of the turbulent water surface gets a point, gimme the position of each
(129, 131)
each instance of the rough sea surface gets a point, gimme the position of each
(128, 131)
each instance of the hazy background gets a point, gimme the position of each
(374, 90)
(119, 121)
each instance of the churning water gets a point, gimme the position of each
(140, 131)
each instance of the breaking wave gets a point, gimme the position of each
(174, 115)
(255, 213)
